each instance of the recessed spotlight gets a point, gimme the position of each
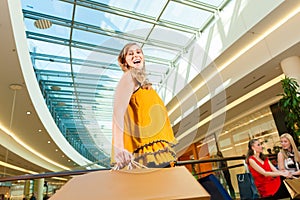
(56, 149)
(15, 87)
(63, 156)
(49, 142)
(28, 113)
(40, 130)
(61, 104)
(55, 88)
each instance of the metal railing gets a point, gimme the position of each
(80, 172)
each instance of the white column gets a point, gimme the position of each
(26, 191)
(291, 67)
(39, 188)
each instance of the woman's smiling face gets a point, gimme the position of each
(285, 143)
(135, 57)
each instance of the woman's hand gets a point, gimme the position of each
(122, 158)
(286, 174)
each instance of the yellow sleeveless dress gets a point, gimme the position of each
(147, 130)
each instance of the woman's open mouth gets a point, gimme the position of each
(136, 61)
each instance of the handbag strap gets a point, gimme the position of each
(246, 167)
(241, 177)
(131, 165)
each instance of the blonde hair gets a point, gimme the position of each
(293, 145)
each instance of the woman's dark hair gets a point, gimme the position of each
(251, 152)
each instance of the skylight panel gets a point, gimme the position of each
(90, 37)
(113, 22)
(48, 65)
(48, 48)
(49, 7)
(153, 51)
(91, 55)
(151, 8)
(54, 30)
(171, 36)
(186, 15)
(215, 3)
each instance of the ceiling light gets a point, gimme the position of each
(232, 104)
(55, 88)
(49, 142)
(226, 149)
(42, 24)
(28, 113)
(8, 132)
(4, 164)
(61, 104)
(15, 87)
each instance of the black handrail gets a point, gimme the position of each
(220, 169)
(49, 175)
(186, 162)
(80, 172)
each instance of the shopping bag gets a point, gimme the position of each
(136, 184)
(214, 188)
(247, 187)
(293, 186)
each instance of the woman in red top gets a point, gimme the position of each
(266, 176)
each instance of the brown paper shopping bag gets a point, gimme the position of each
(293, 186)
(137, 184)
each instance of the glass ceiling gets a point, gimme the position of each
(75, 60)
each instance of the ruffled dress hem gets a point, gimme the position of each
(156, 154)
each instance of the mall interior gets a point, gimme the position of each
(218, 66)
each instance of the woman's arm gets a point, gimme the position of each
(123, 93)
(280, 160)
(296, 173)
(260, 170)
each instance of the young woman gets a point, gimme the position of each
(289, 156)
(266, 176)
(141, 128)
